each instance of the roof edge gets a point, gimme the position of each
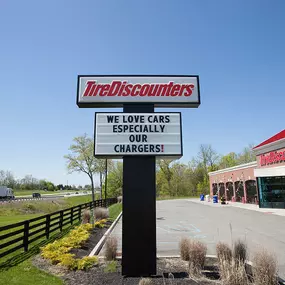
(237, 167)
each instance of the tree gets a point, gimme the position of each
(115, 180)
(164, 166)
(207, 159)
(101, 169)
(7, 179)
(228, 160)
(59, 187)
(207, 156)
(81, 158)
(247, 155)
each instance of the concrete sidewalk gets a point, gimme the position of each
(253, 207)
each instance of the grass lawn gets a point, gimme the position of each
(11, 219)
(30, 192)
(20, 211)
(114, 211)
(25, 274)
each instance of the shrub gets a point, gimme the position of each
(86, 217)
(87, 262)
(69, 261)
(100, 224)
(240, 251)
(58, 251)
(111, 267)
(233, 272)
(101, 213)
(224, 252)
(264, 268)
(111, 248)
(197, 257)
(184, 248)
(145, 281)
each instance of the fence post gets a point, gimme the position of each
(26, 236)
(47, 226)
(79, 213)
(71, 216)
(60, 220)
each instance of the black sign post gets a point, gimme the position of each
(139, 210)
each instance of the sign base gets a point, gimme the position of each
(139, 211)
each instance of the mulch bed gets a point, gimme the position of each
(97, 276)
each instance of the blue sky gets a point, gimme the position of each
(236, 47)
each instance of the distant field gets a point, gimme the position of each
(30, 192)
(20, 211)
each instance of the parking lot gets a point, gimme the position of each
(211, 223)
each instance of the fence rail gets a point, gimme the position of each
(26, 232)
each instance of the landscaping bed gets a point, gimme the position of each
(95, 235)
(98, 275)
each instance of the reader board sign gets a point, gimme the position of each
(159, 90)
(129, 134)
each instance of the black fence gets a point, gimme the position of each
(22, 234)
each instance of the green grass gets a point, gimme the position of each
(76, 200)
(17, 268)
(25, 274)
(114, 211)
(7, 220)
(30, 192)
(20, 211)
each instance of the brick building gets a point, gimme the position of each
(262, 181)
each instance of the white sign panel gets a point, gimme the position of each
(115, 91)
(122, 134)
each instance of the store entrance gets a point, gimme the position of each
(272, 192)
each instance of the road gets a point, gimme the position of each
(210, 224)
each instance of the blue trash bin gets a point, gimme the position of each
(202, 196)
(215, 199)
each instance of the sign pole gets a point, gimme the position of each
(139, 210)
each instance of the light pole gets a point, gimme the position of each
(106, 179)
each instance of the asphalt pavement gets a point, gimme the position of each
(211, 223)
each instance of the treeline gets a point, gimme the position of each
(174, 178)
(31, 183)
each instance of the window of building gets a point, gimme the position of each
(272, 192)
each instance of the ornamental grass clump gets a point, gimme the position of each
(101, 213)
(111, 248)
(197, 257)
(240, 251)
(233, 272)
(264, 268)
(184, 248)
(224, 252)
(86, 217)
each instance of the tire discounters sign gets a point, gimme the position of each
(125, 134)
(160, 90)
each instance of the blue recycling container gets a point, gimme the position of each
(215, 199)
(202, 196)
